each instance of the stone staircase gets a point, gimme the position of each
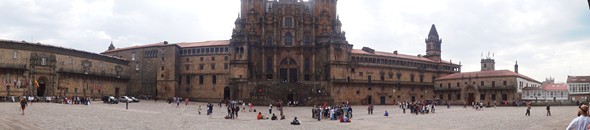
(304, 93)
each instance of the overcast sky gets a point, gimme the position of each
(547, 37)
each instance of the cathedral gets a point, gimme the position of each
(285, 50)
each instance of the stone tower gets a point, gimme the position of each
(488, 63)
(111, 47)
(433, 45)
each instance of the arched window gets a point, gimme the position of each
(289, 22)
(306, 64)
(269, 41)
(288, 39)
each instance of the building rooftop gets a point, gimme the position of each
(205, 43)
(57, 50)
(486, 74)
(397, 55)
(555, 87)
(578, 79)
(137, 47)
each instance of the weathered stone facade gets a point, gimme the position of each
(58, 71)
(486, 86)
(293, 51)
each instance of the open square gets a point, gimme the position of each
(161, 115)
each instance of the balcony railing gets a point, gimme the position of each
(93, 73)
(13, 66)
(380, 82)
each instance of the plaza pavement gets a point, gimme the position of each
(163, 116)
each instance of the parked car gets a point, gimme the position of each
(109, 100)
(125, 99)
(134, 99)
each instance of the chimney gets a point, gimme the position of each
(516, 67)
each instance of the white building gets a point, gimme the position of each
(579, 87)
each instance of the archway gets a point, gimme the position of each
(226, 92)
(42, 86)
(470, 93)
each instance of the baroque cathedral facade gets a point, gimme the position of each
(287, 50)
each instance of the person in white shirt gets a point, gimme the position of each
(582, 121)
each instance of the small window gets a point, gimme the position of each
(201, 66)
(186, 66)
(225, 66)
(214, 79)
(212, 66)
(213, 58)
(15, 54)
(201, 78)
(201, 58)
(225, 58)
(133, 56)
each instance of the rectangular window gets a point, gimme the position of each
(15, 55)
(201, 58)
(201, 78)
(493, 96)
(162, 67)
(458, 96)
(482, 96)
(225, 58)
(214, 79)
(186, 66)
(198, 51)
(201, 66)
(412, 78)
(493, 83)
(212, 66)
(213, 58)
(421, 78)
(43, 61)
(188, 79)
(225, 66)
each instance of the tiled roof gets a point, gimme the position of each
(532, 88)
(136, 47)
(484, 74)
(578, 79)
(403, 56)
(205, 43)
(555, 87)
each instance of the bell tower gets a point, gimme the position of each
(433, 46)
(488, 63)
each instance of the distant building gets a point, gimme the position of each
(547, 92)
(35, 69)
(487, 86)
(579, 87)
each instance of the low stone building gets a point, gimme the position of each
(34, 69)
(487, 86)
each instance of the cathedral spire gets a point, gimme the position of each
(111, 47)
(433, 32)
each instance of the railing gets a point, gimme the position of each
(103, 74)
(380, 82)
(13, 66)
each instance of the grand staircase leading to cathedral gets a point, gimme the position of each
(305, 93)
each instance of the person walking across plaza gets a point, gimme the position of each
(199, 110)
(528, 110)
(186, 102)
(126, 104)
(548, 110)
(269, 108)
(582, 121)
(23, 105)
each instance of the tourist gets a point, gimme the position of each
(274, 117)
(127, 104)
(237, 110)
(582, 121)
(23, 104)
(199, 110)
(548, 110)
(186, 102)
(177, 102)
(370, 109)
(270, 109)
(528, 109)
(250, 105)
(433, 109)
(295, 122)
(259, 116)
(386, 114)
(350, 112)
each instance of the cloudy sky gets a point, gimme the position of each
(549, 38)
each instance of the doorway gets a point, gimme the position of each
(382, 100)
(290, 97)
(41, 88)
(226, 93)
(116, 92)
(470, 97)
